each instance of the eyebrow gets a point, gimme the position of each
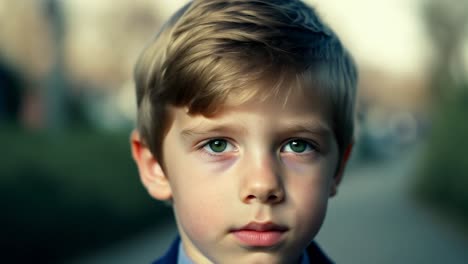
(315, 128)
(212, 129)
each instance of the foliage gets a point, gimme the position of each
(443, 178)
(64, 194)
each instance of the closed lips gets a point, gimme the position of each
(260, 235)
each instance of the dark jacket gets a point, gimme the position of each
(316, 255)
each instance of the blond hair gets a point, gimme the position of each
(211, 49)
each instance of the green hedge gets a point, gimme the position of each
(443, 178)
(67, 193)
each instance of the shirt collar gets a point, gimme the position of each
(305, 258)
(182, 257)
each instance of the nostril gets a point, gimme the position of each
(267, 198)
(272, 197)
(251, 197)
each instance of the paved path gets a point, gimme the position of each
(371, 221)
(374, 220)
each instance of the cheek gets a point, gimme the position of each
(309, 193)
(310, 214)
(197, 218)
(199, 201)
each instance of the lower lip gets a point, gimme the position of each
(258, 238)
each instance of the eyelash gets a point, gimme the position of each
(310, 147)
(203, 147)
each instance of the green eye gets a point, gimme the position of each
(218, 145)
(297, 146)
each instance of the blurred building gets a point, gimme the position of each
(102, 39)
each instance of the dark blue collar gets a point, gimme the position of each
(170, 257)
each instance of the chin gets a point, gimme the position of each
(264, 257)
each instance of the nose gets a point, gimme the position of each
(262, 183)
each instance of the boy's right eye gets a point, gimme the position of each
(218, 146)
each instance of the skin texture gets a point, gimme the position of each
(258, 176)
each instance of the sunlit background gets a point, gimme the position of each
(70, 193)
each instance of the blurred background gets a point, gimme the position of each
(69, 190)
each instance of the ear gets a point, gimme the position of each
(151, 173)
(339, 172)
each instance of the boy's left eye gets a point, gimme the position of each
(297, 146)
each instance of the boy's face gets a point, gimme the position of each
(250, 184)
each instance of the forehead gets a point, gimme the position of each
(276, 86)
(295, 110)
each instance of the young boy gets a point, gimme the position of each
(245, 123)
